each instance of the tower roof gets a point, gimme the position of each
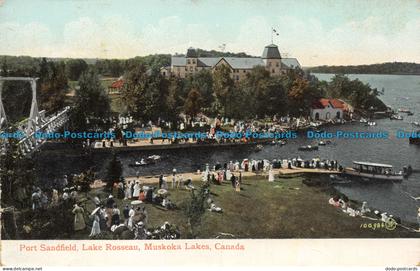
(271, 51)
(191, 52)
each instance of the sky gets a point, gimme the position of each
(316, 32)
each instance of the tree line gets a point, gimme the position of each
(383, 68)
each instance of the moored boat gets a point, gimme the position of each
(396, 117)
(370, 123)
(308, 148)
(416, 123)
(322, 143)
(373, 171)
(404, 110)
(148, 161)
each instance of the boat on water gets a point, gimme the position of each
(279, 142)
(370, 123)
(148, 161)
(396, 117)
(373, 171)
(416, 123)
(322, 143)
(405, 110)
(308, 148)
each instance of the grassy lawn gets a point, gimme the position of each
(283, 209)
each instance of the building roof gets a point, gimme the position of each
(372, 164)
(271, 51)
(117, 84)
(178, 61)
(243, 62)
(290, 63)
(323, 103)
(234, 62)
(207, 61)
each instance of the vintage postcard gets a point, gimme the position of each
(210, 133)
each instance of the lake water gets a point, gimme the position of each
(401, 91)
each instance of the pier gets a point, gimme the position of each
(197, 176)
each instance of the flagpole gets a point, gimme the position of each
(272, 30)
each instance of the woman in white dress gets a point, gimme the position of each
(136, 191)
(96, 229)
(228, 174)
(131, 214)
(271, 174)
(128, 191)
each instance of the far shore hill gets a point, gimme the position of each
(156, 61)
(398, 68)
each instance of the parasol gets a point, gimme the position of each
(162, 191)
(136, 202)
(96, 210)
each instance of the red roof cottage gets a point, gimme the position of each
(116, 86)
(328, 109)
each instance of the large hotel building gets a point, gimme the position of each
(182, 66)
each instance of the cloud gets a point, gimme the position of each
(113, 37)
(24, 39)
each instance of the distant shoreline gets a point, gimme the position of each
(412, 74)
(389, 68)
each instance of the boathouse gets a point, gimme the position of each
(328, 109)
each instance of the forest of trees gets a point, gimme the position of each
(383, 68)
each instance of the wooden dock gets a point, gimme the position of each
(195, 176)
(159, 145)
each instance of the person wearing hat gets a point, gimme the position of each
(115, 219)
(126, 214)
(173, 178)
(110, 202)
(36, 199)
(160, 181)
(79, 221)
(131, 214)
(128, 194)
(97, 200)
(73, 193)
(65, 181)
(364, 208)
(65, 195)
(96, 229)
(136, 192)
(140, 233)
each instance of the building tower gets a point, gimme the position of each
(272, 59)
(192, 58)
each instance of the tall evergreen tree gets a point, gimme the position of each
(223, 87)
(193, 103)
(114, 172)
(91, 102)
